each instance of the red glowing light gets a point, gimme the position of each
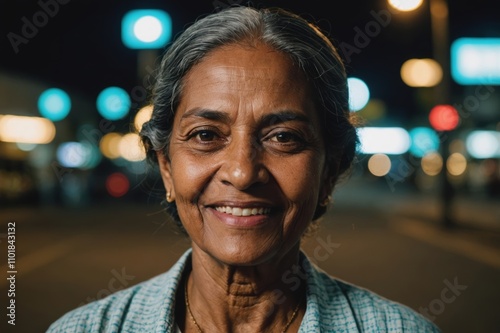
(444, 118)
(117, 184)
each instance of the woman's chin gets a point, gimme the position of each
(242, 253)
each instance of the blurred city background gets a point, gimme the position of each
(418, 219)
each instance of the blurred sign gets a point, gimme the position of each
(476, 61)
(146, 29)
(483, 144)
(384, 140)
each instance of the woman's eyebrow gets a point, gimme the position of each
(207, 114)
(267, 120)
(284, 116)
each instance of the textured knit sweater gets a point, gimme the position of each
(332, 306)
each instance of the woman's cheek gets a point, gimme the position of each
(190, 176)
(299, 184)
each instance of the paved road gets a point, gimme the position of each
(67, 257)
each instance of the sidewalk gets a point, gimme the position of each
(468, 211)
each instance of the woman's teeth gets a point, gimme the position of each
(237, 211)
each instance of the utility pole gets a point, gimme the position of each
(442, 95)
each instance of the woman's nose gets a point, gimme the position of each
(243, 164)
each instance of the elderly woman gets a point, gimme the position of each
(250, 130)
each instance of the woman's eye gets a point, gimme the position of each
(285, 137)
(206, 136)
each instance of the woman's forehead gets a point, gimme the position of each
(246, 64)
(245, 74)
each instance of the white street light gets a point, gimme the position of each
(406, 5)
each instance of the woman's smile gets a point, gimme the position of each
(242, 211)
(241, 217)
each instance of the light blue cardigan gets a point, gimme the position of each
(332, 306)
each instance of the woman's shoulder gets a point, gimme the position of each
(362, 308)
(373, 308)
(139, 308)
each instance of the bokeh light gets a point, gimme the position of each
(93, 157)
(110, 145)
(72, 154)
(406, 5)
(444, 117)
(384, 140)
(379, 165)
(113, 103)
(421, 72)
(456, 164)
(432, 164)
(26, 146)
(54, 104)
(423, 140)
(117, 184)
(475, 61)
(143, 115)
(131, 148)
(359, 94)
(483, 144)
(29, 130)
(146, 29)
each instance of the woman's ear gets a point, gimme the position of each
(328, 181)
(166, 175)
(326, 190)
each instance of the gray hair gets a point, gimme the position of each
(302, 41)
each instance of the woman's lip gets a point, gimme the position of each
(239, 221)
(242, 204)
(241, 211)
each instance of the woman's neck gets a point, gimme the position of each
(224, 298)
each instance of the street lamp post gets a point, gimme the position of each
(442, 95)
(442, 92)
(440, 44)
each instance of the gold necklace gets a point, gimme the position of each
(294, 314)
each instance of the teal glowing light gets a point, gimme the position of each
(476, 61)
(359, 94)
(423, 141)
(146, 29)
(113, 103)
(54, 104)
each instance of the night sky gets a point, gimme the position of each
(80, 49)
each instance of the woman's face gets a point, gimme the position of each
(246, 162)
